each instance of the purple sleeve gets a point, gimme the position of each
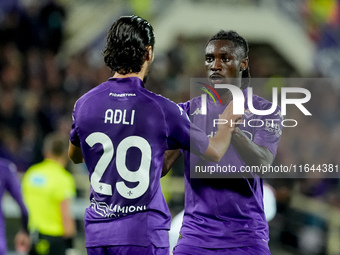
(182, 131)
(185, 106)
(269, 134)
(14, 188)
(199, 141)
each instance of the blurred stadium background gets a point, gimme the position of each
(51, 53)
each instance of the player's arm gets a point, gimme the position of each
(75, 154)
(14, 188)
(170, 157)
(217, 147)
(22, 239)
(219, 144)
(251, 153)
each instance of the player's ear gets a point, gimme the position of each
(150, 53)
(244, 64)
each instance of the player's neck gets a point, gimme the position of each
(117, 75)
(139, 75)
(226, 97)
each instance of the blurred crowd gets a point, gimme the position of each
(38, 88)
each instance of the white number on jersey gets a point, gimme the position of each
(141, 175)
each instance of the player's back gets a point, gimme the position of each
(123, 130)
(122, 123)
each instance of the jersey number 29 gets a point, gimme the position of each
(141, 175)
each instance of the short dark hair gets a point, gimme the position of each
(238, 41)
(127, 40)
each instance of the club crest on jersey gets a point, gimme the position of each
(248, 113)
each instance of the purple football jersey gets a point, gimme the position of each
(9, 181)
(227, 212)
(123, 131)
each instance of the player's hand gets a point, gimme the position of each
(22, 242)
(231, 120)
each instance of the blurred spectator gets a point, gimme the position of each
(52, 17)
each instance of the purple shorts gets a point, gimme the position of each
(246, 250)
(127, 250)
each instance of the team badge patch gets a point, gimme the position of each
(248, 113)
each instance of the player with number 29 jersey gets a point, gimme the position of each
(123, 131)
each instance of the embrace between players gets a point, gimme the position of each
(128, 213)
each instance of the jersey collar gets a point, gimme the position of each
(131, 82)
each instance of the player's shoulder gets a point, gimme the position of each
(92, 92)
(7, 165)
(162, 102)
(193, 102)
(4, 162)
(261, 103)
(155, 97)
